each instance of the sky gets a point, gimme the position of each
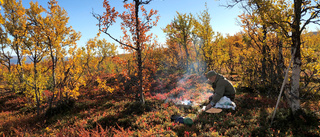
(223, 20)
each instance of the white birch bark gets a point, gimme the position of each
(294, 92)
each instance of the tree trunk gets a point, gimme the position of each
(36, 90)
(187, 54)
(138, 45)
(19, 68)
(280, 64)
(296, 68)
(264, 55)
(53, 75)
(142, 100)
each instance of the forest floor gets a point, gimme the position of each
(117, 115)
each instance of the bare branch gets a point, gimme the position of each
(105, 30)
(310, 8)
(145, 2)
(233, 3)
(308, 21)
(117, 39)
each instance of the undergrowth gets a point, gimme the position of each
(111, 115)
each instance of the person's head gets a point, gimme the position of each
(211, 75)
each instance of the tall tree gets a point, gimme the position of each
(180, 31)
(14, 24)
(58, 35)
(137, 27)
(303, 13)
(36, 51)
(5, 54)
(204, 31)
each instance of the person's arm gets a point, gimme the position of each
(219, 91)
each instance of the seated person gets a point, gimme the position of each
(222, 87)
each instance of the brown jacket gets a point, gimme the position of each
(222, 87)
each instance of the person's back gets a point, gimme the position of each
(222, 87)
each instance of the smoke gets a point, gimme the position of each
(188, 89)
(191, 89)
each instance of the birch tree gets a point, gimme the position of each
(292, 19)
(135, 29)
(14, 21)
(58, 36)
(180, 31)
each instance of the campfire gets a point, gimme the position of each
(185, 104)
(190, 91)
